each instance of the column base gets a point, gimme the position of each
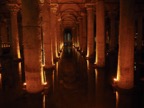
(122, 90)
(49, 68)
(17, 59)
(56, 59)
(97, 66)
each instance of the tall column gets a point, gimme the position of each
(47, 39)
(100, 34)
(80, 32)
(32, 46)
(90, 30)
(113, 39)
(77, 35)
(15, 47)
(58, 34)
(139, 38)
(125, 72)
(53, 29)
(84, 37)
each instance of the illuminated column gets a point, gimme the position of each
(61, 37)
(58, 34)
(80, 33)
(77, 35)
(74, 36)
(15, 47)
(32, 46)
(53, 29)
(113, 39)
(47, 39)
(90, 30)
(125, 73)
(84, 37)
(139, 38)
(100, 34)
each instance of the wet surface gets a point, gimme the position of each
(74, 83)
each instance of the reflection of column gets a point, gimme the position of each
(32, 47)
(14, 8)
(90, 31)
(124, 100)
(91, 84)
(112, 32)
(139, 38)
(100, 89)
(125, 73)
(53, 29)
(100, 34)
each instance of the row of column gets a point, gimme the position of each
(125, 71)
(33, 40)
(42, 40)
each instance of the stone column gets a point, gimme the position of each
(61, 37)
(125, 72)
(90, 30)
(77, 35)
(32, 46)
(74, 36)
(113, 39)
(84, 37)
(58, 34)
(47, 39)
(53, 29)
(139, 38)
(80, 33)
(15, 47)
(100, 34)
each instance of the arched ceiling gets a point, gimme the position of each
(69, 11)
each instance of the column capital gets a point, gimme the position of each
(54, 7)
(89, 6)
(83, 14)
(14, 8)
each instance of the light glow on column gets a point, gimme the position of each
(43, 77)
(87, 52)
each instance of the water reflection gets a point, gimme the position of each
(74, 83)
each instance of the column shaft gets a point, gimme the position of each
(100, 34)
(125, 74)
(53, 30)
(15, 47)
(47, 39)
(90, 32)
(32, 46)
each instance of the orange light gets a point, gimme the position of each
(115, 79)
(45, 83)
(24, 83)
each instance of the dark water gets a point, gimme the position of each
(74, 83)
